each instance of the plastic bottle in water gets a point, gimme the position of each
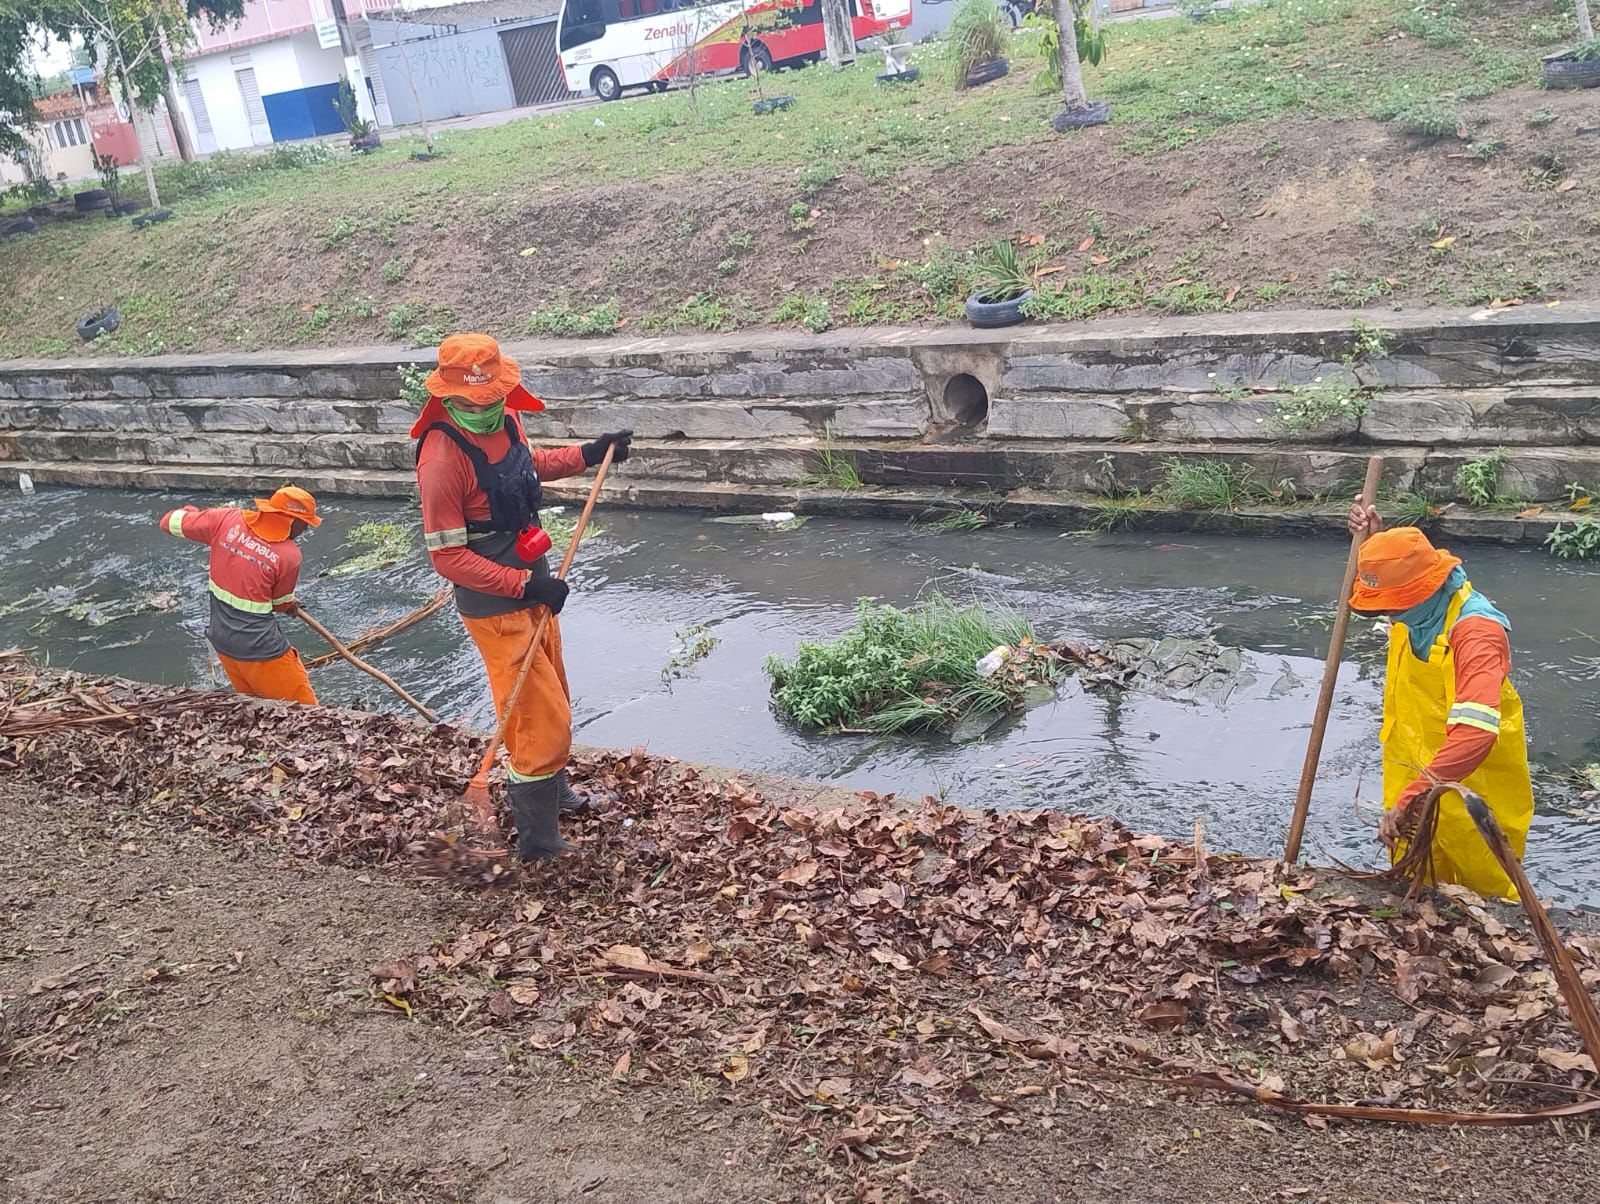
(24, 482)
(990, 664)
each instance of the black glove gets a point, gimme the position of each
(594, 452)
(546, 591)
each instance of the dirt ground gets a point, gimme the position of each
(245, 1062)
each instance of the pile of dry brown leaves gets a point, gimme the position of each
(877, 975)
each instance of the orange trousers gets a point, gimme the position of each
(539, 736)
(282, 677)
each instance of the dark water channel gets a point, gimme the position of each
(1153, 762)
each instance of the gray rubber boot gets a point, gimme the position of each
(572, 803)
(535, 806)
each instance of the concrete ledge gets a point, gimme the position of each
(1068, 511)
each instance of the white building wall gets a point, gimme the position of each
(317, 66)
(277, 68)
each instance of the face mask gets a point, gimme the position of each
(478, 422)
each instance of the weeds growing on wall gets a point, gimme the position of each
(911, 670)
(1580, 542)
(1479, 480)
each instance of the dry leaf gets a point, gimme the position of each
(1567, 185)
(1227, 297)
(1562, 1059)
(1530, 512)
(629, 957)
(697, 951)
(1097, 260)
(1086, 243)
(1000, 1032)
(1580, 503)
(1445, 243)
(622, 1065)
(1262, 211)
(799, 875)
(1031, 240)
(1051, 269)
(737, 1069)
(1167, 1013)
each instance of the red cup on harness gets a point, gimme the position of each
(532, 543)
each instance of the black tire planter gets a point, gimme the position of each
(126, 208)
(91, 199)
(426, 156)
(772, 104)
(1097, 113)
(367, 143)
(92, 326)
(141, 220)
(1565, 71)
(18, 225)
(988, 315)
(985, 73)
(908, 76)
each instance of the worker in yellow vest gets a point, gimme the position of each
(1450, 712)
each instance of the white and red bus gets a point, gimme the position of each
(608, 46)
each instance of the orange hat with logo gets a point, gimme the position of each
(1398, 569)
(274, 516)
(472, 367)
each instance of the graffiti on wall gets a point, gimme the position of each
(454, 76)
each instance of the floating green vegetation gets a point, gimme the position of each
(690, 646)
(376, 546)
(913, 670)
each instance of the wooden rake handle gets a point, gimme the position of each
(355, 660)
(1330, 674)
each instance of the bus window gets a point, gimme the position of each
(582, 21)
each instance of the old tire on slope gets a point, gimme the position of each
(988, 315)
(91, 326)
(984, 73)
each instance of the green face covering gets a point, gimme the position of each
(478, 422)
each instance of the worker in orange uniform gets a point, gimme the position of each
(1450, 712)
(254, 568)
(480, 487)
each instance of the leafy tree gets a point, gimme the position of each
(139, 42)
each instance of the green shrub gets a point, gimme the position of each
(978, 33)
(1479, 480)
(1582, 542)
(560, 320)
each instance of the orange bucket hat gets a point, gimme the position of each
(273, 516)
(1398, 569)
(471, 366)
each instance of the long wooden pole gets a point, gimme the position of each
(1330, 673)
(1581, 1005)
(363, 666)
(477, 791)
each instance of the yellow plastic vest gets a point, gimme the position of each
(1417, 700)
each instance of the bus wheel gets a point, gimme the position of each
(757, 52)
(605, 84)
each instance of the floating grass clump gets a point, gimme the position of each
(912, 670)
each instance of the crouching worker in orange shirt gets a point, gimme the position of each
(254, 568)
(480, 487)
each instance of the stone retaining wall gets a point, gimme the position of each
(1081, 411)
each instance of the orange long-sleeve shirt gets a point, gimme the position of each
(451, 497)
(1482, 656)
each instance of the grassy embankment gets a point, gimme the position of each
(1320, 152)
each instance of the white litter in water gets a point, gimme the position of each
(24, 482)
(778, 516)
(556, 510)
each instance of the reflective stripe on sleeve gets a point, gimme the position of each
(1475, 714)
(175, 523)
(283, 600)
(437, 541)
(238, 603)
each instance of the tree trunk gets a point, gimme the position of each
(1585, 25)
(1071, 69)
(180, 127)
(837, 32)
(134, 113)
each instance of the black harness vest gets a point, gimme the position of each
(510, 483)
